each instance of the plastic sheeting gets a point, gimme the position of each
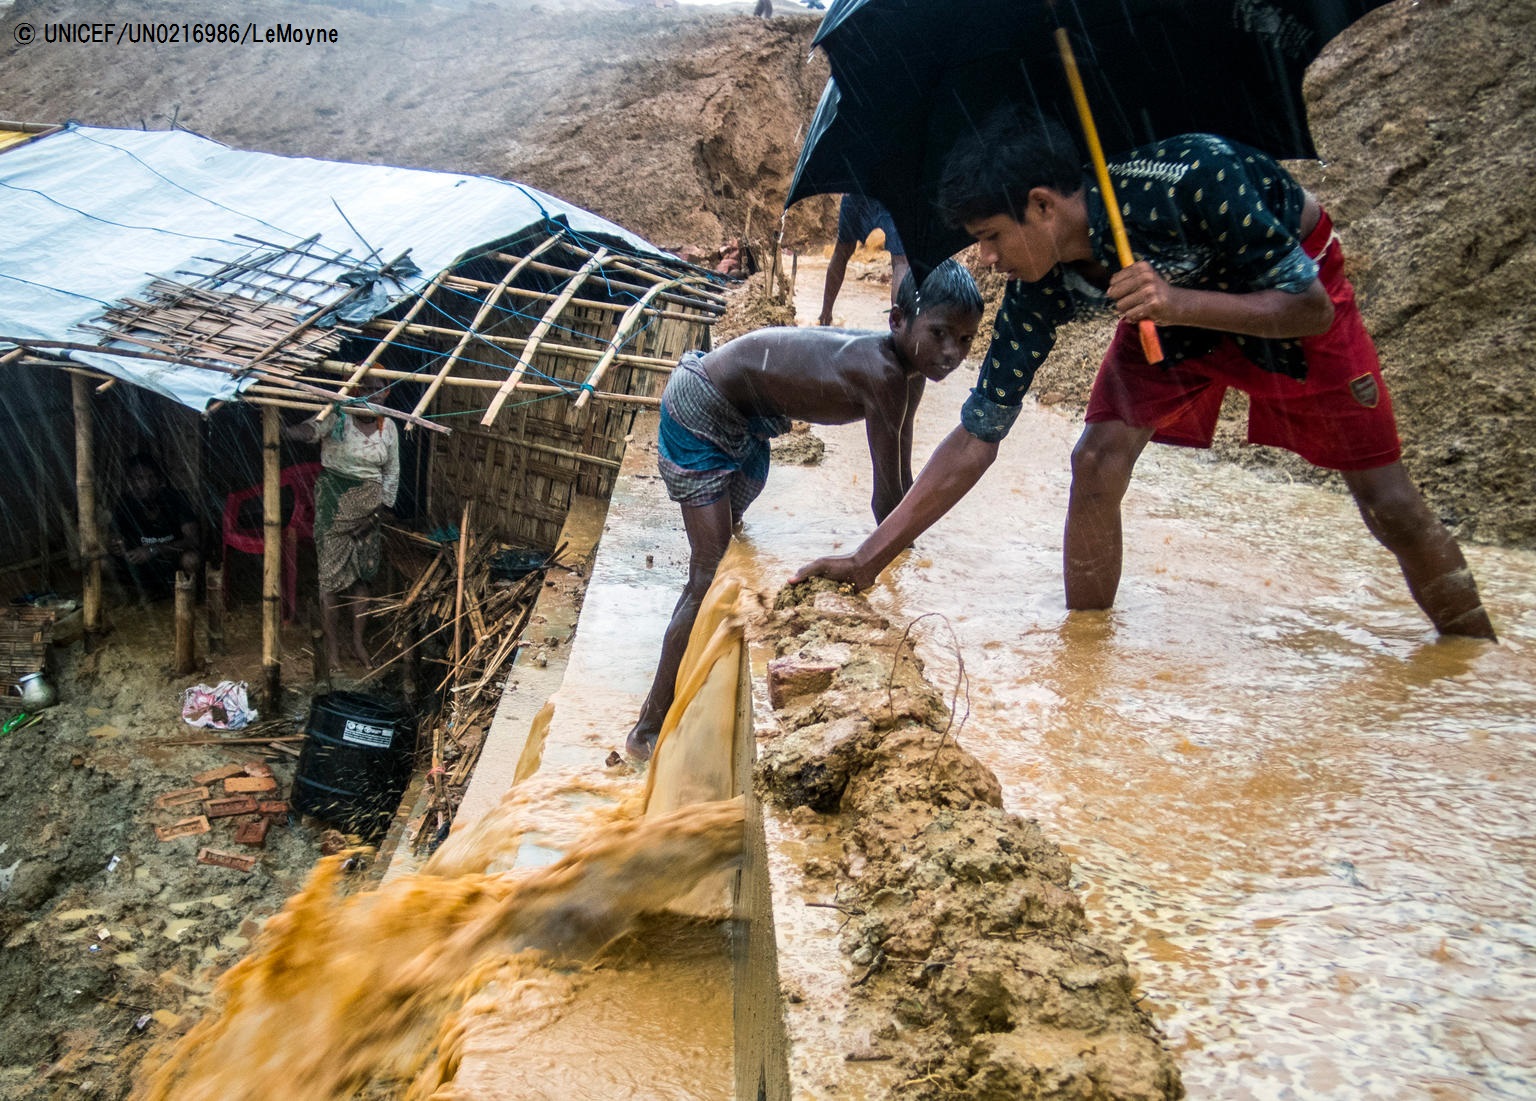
(89, 216)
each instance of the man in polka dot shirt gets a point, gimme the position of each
(1243, 276)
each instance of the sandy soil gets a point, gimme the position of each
(980, 976)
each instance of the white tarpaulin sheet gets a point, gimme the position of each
(89, 216)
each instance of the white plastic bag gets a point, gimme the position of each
(224, 707)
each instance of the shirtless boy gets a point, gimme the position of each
(720, 408)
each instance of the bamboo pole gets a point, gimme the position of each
(561, 452)
(378, 349)
(301, 389)
(214, 593)
(1151, 345)
(621, 334)
(485, 309)
(272, 556)
(186, 645)
(531, 348)
(523, 387)
(458, 598)
(706, 300)
(464, 283)
(652, 363)
(85, 498)
(320, 671)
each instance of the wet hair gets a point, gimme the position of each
(949, 284)
(992, 169)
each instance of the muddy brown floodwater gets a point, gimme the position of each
(1304, 816)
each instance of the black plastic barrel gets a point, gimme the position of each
(356, 762)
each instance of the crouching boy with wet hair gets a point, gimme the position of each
(720, 409)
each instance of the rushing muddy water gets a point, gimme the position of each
(1307, 819)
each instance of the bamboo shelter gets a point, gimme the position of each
(512, 336)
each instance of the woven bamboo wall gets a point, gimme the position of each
(520, 489)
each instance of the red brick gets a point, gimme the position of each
(253, 833)
(228, 808)
(187, 827)
(180, 797)
(241, 784)
(221, 859)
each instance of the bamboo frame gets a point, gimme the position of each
(650, 276)
(186, 642)
(378, 349)
(704, 301)
(493, 384)
(513, 342)
(312, 318)
(301, 389)
(621, 334)
(480, 316)
(466, 284)
(537, 335)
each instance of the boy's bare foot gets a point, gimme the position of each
(640, 744)
(363, 657)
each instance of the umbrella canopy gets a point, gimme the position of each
(907, 75)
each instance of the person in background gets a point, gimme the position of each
(720, 409)
(359, 477)
(857, 218)
(154, 533)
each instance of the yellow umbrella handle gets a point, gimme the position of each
(1151, 347)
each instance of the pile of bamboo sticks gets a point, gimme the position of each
(463, 626)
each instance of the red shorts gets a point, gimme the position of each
(1338, 417)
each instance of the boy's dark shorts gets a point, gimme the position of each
(1339, 417)
(859, 216)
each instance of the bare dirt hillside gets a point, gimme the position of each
(683, 124)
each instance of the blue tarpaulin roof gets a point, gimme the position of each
(89, 217)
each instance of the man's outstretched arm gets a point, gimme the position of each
(955, 466)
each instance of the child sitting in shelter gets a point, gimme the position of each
(720, 409)
(155, 531)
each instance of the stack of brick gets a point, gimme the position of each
(246, 799)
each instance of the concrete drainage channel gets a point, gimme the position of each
(894, 932)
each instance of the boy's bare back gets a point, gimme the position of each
(824, 376)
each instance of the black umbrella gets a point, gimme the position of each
(907, 75)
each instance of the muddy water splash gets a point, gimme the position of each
(344, 990)
(698, 729)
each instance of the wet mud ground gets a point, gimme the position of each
(113, 938)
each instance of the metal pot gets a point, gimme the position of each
(35, 691)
